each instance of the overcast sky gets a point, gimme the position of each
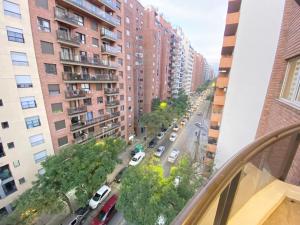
(203, 21)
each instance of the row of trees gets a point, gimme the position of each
(146, 194)
(164, 112)
(79, 168)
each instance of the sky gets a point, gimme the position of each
(203, 21)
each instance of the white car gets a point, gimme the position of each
(173, 137)
(175, 128)
(160, 151)
(99, 197)
(137, 158)
(173, 156)
(183, 122)
(160, 135)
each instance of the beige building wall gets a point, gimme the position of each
(19, 158)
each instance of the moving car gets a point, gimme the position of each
(152, 143)
(107, 212)
(119, 175)
(99, 197)
(173, 156)
(160, 135)
(137, 158)
(175, 128)
(77, 217)
(173, 136)
(160, 151)
(198, 124)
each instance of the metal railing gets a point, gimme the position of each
(79, 93)
(66, 37)
(110, 49)
(109, 34)
(88, 77)
(112, 103)
(67, 16)
(267, 159)
(110, 3)
(111, 91)
(75, 110)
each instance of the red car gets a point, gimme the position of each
(107, 212)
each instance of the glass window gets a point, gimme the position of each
(94, 25)
(62, 141)
(119, 35)
(81, 37)
(44, 25)
(28, 102)
(16, 163)
(85, 87)
(118, 5)
(11, 145)
(19, 58)
(4, 125)
(79, 19)
(22, 180)
(127, 20)
(11, 9)
(57, 107)
(36, 140)
(53, 89)
(15, 34)
(32, 122)
(42, 3)
(50, 68)
(23, 81)
(40, 156)
(59, 125)
(99, 100)
(47, 47)
(1, 102)
(95, 42)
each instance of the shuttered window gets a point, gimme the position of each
(36, 140)
(28, 102)
(23, 81)
(53, 89)
(47, 47)
(32, 122)
(19, 58)
(42, 3)
(40, 156)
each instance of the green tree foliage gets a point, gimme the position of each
(81, 168)
(155, 104)
(146, 194)
(180, 104)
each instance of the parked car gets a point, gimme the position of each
(175, 128)
(78, 217)
(173, 156)
(99, 197)
(137, 148)
(160, 135)
(152, 143)
(164, 130)
(159, 151)
(118, 178)
(183, 122)
(107, 212)
(173, 136)
(137, 158)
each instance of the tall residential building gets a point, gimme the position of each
(25, 139)
(80, 57)
(244, 75)
(198, 76)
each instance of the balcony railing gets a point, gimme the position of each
(83, 124)
(67, 17)
(75, 94)
(66, 37)
(76, 110)
(111, 4)
(95, 11)
(109, 91)
(105, 33)
(112, 103)
(90, 61)
(110, 49)
(254, 178)
(90, 78)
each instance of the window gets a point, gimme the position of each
(4, 125)
(42, 3)
(40, 156)
(119, 19)
(119, 35)
(123, 128)
(85, 87)
(290, 90)
(99, 100)
(23, 81)
(11, 145)
(47, 47)
(15, 34)
(50, 68)
(94, 25)
(59, 125)
(53, 89)
(28, 102)
(101, 112)
(32, 122)
(81, 37)
(128, 68)
(119, 47)
(98, 87)
(122, 118)
(11, 9)
(79, 19)
(121, 97)
(22, 180)
(36, 140)
(122, 107)
(44, 25)
(57, 107)
(118, 5)
(62, 141)
(95, 42)
(121, 86)
(127, 20)
(128, 56)
(19, 58)
(120, 61)
(1, 102)
(16, 163)
(127, 32)
(127, 44)
(87, 101)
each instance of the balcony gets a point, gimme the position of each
(229, 41)
(112, 104)
(67, 18)
(85, 124)
(87, 61)
(110, 4)
(66, 39)
(108, 35)
(75, 94)
(103, 131)
(258, 185)
(94, 11)
(211, 148)
(77, 110)
(225, 62)
(233, 18)
(87, 78)
(222, 82)
(216, 117)
(219, 100)
(111, 91)
(110, 50)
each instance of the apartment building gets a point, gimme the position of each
(198, 76)
(244, 74)
(25, 139)
(80, 57)
(134, 61)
